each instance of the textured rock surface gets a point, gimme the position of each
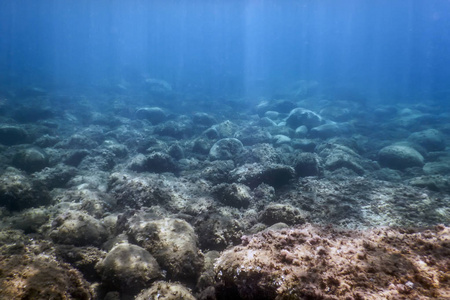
(128, 268)
(322, 263)
(172, 242)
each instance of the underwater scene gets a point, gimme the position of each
(215, 150)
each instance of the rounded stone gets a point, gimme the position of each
(128, 268)
(400, 157)
(31, 160)
(430, 139)
(225, 149)
(167, 291)
(153, 114)
(12, 135)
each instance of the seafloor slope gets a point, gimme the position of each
(160, 195)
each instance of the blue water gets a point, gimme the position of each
(396, 50)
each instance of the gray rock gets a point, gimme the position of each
(435, 168)
(156, 162)
(235, 194)
(307, 164)
(430, 139)
(282, 213)
(128, 268)
(300, 116)
(301, 131)
(153, 114)
(253, 175)
(56, 177)
(176, 129)
(31, 159)
(281, 139)
(12, 135)
(18, 191)
(225, 129)
(437, 183)
(217, 232)
(329, 130)
(273, 115)
(337, 157)
(203, 119)
(252, 135)
(261, 153)
(400, 157)
(226, 149)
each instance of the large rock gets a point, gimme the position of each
(172, 242)
(300, 116)
(400, 157)
(18, 191)
(33, 272)
(254, 174)
(430, 139)
(12, 135)
(166, 291)
(79, 229)
(128, 268)
(224, 149)
(325, 263)
(153, 114)
(31, 159)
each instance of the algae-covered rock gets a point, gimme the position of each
(324, 263)
(79, 229)
(225, 149)
(163, 290)
(400, 157)
(31, 159)
(12, 135)
(254, 174)
(128, 268)
(18, 191)
(172, 242)
(31, 271)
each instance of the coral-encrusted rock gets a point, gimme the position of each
(18, 191)
(166, 291)
(128, 268)
(323, 263)
(226, 149)
(79, 229)
(400, 157)
(172, 242)
(253, 175)
(12, 135)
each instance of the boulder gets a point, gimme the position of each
(400, 157)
